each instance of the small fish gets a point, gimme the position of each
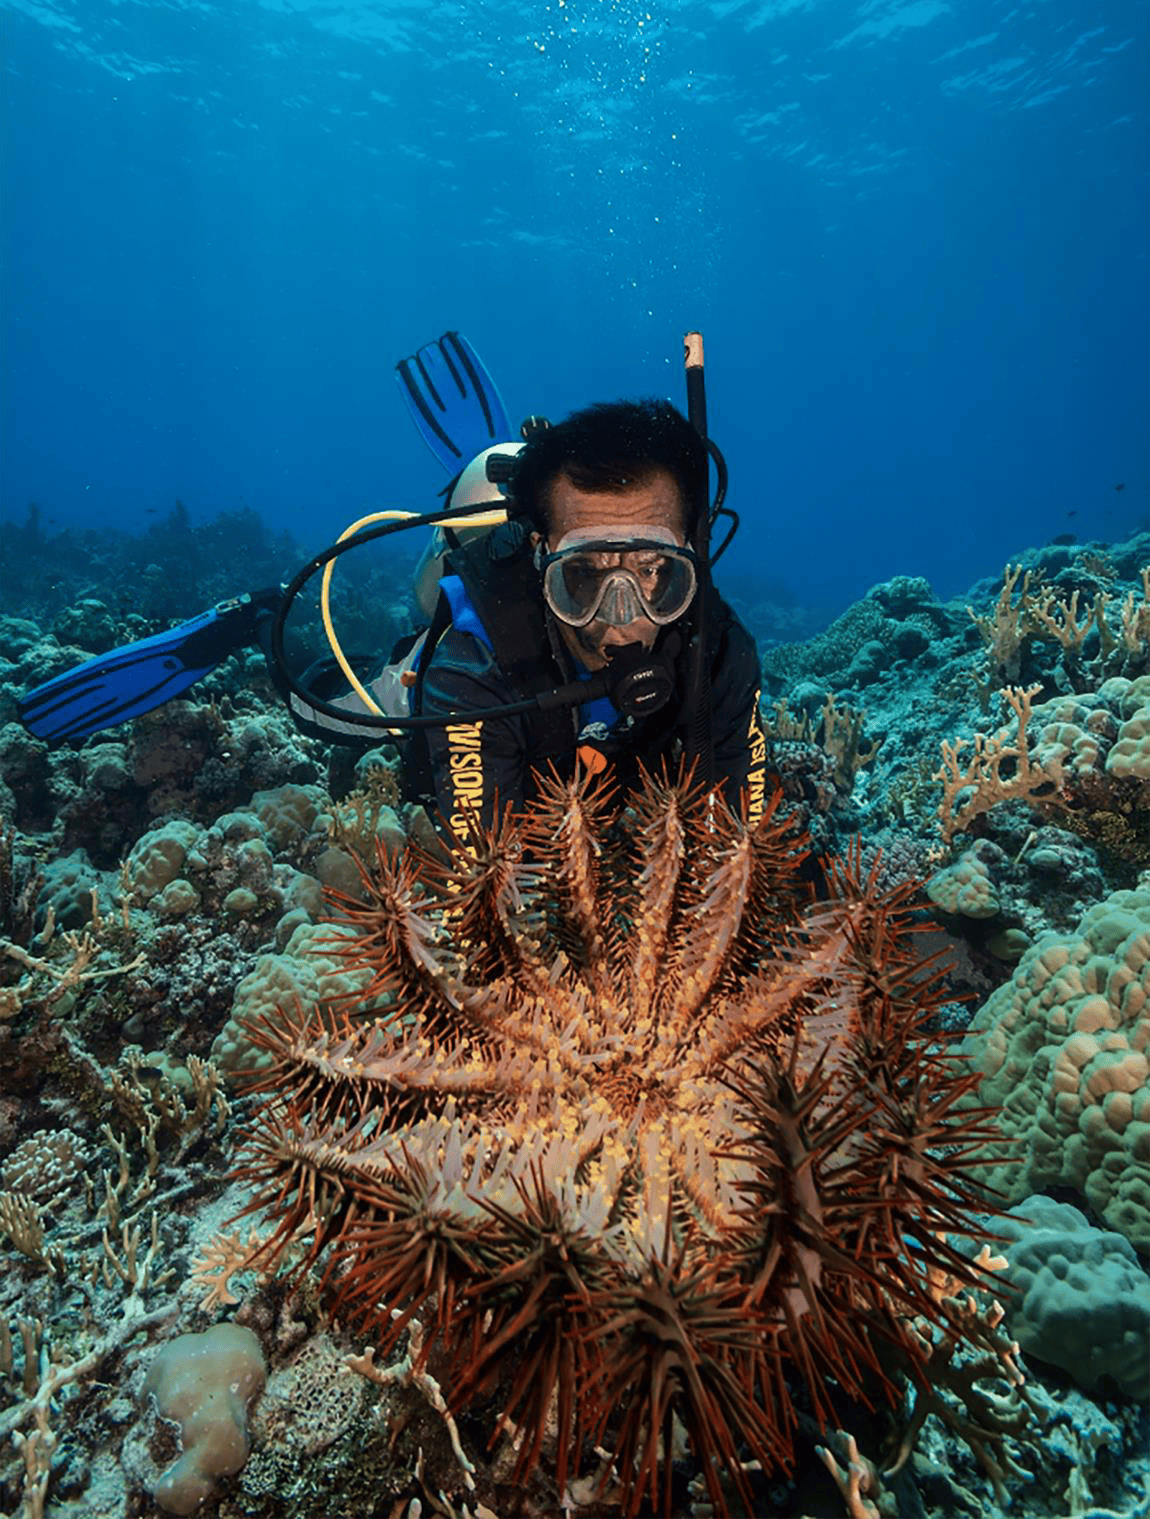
(1064, 539)
(1121, 487)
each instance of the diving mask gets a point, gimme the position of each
(617, 577)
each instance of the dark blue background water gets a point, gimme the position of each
(914, 234)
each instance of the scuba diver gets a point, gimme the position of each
(571, 614)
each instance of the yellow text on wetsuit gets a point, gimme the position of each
(757, 769)
(466, 778)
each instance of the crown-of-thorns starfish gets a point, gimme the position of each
(643, 1132)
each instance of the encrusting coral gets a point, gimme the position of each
(642, 1134)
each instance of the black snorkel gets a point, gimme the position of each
(698, 747)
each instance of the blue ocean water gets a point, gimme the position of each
(913, 233)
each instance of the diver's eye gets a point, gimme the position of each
(580, 575)
(649, 568)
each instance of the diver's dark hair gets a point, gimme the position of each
(608, 448)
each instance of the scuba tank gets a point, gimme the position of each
(479, 485)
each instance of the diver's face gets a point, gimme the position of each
(656, 503)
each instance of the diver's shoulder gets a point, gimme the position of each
(464, 652)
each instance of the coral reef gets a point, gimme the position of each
(159, 899)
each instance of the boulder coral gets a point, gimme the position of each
(1081, 1300)
(1063, 1050)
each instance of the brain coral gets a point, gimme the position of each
(644, 1135)
(1064, 1048)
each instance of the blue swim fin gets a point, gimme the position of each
(453, 401)
(458, 411)
(126, 682)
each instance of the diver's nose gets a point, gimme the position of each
(619, 603)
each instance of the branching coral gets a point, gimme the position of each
(70, 960)
(839, 733)
(1039, 613)
(642, 1136)
(1000, 769)
(1083, 759)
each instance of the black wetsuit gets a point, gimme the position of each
(470, 765)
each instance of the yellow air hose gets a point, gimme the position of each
(481, 519)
